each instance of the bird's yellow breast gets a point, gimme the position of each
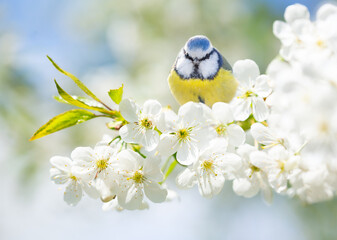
(220, 89)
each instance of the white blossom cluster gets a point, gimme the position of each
(304, 110)
(277, 135)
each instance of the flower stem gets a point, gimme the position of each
(165, 164)
(169, 170)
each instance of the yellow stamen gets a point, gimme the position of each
(138, 177)
(73, 177)
(320, 43)
(183, 134)
(146, 123)
(207, 165)
(281, 165)
(221, 129)
(254, 169)
(102, 164)
(324, 127)
(248, 94)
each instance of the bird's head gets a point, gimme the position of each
(198, 59)
(198, 47)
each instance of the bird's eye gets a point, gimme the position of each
(188, 56)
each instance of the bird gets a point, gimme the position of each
(201, 74)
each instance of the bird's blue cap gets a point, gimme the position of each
(198, 42)
(198, 46)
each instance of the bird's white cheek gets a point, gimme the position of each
(209, 67)
(184, 67)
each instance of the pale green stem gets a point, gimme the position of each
(170, 170)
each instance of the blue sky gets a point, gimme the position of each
(43, 28)
(41, 24)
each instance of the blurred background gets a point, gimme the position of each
(106, 43)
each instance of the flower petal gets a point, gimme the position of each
(279, 153)
(186, 179)
(167, 120)
(58, 176)
(261, 160)
(150, 140)
(236, 135)
(210, 184)
(73, 193)
(246, 71)
(202, 136)
(90, 190)
(152, 169)
(131, 133)
(278, 182)
(260, 109)
(83, 155)
(187, 154)
(85, 173)
(241, 108)
(283, 31)
(191, 112)
(152, 107)
(62, 163)
(325, 11)
(167, 145)
(229, 162)
(129, 110)
(296, 12)
(245, 150)
(216, 145)
(129, 160)
(155, 192)
(131, 196)
(104, 152)
(262, 134)
(222, 112)
(262, 87)
(244, 187)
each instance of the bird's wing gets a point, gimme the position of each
(223, 62)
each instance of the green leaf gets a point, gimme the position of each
(116, 94)
(60, 99)
(88, 102)
(76, 80)
(79, 101)
(63, 120)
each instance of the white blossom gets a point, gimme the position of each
(136, 177)
(251, 179)
(214, 165)
(184, 134)
(311, 185)
(97, 165)
(266, 136)
(61, 173)
(277, 164)
(142, 123)
(252, 90)
(304, 98)
(299, 35)
(220, 117)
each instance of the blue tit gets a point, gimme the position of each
(201, 74)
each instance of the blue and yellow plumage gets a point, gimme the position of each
(201, 74)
